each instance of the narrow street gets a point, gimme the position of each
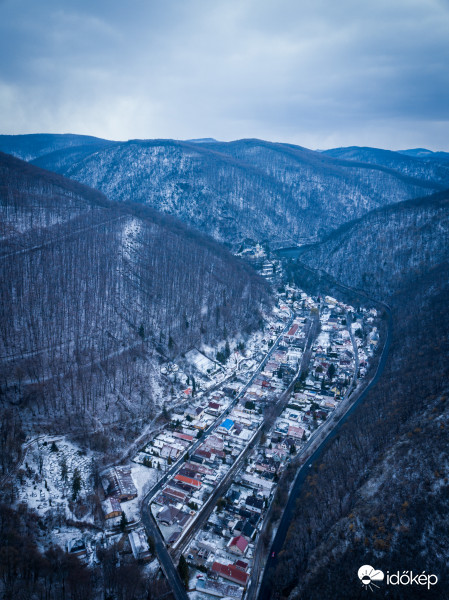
(166, 561)
(312, 452)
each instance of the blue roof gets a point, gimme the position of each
(228, 424)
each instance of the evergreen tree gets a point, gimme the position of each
(76, 483)
(123, 523)
(183, 569)
(64, 469)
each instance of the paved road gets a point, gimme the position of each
(229, 477)
(219, 419)
(146, 516)
(259, 554)
(165, 560)
(277, 545)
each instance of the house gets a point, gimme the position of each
(226, 427)
(169, 452)
(248, 530)
(230, 572)
(293, 330)
(216, 588)
(213, 408)
(111, 508)
(238, 545)
(254, 504)
(183, 436)
(295, 432)
(194, 412)
(200, 469)
(174, 536)
(203, 453)
(193, 483)
(258, 483)
(139, 544)
(213, 442)
(174, 495)
(171, 515)
(241, 564)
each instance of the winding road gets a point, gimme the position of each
(264, 591)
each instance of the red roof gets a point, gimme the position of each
(239, 542)
(183, 436)
(174, 493)
(214, 405)
(297, 432)
(241, 564)
(231, 572)
(188, 480)
(203, 453)
(293, 330)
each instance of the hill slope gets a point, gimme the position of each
(380, 492)
(249, 188)
(430, 166)
(94, 293)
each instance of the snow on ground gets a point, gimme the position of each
(42, 483)
(201, 362)
(131, 229)
(322, 339)
(144, 478)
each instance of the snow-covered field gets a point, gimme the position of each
(144, 478)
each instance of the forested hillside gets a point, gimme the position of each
(237, 190)
(32, 146)
(433, 166)
(380, 491)
(94, 295)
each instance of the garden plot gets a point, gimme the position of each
(201, 362)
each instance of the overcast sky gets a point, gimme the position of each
(318, 73)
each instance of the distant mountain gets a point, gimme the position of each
(379, 491)
(426, 154)
(95, 294)
(32, 146)
(244, 189)
(202, 140)
(423, 164)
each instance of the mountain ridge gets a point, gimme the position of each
(244, 189)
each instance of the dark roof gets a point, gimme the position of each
(248, 529)
(256, 502)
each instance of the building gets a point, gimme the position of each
(238, 545)
(193, 483)
(296, 432)
(226, 427)
(77, 548)
(174, 495)
(183, 436)
(117, 482)
(230, 572)
(213, 408)
(170, 515)
(111, 508)
(139, 544)
(216, 588)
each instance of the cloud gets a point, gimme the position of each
(308, 72)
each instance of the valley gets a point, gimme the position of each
(207, 416)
